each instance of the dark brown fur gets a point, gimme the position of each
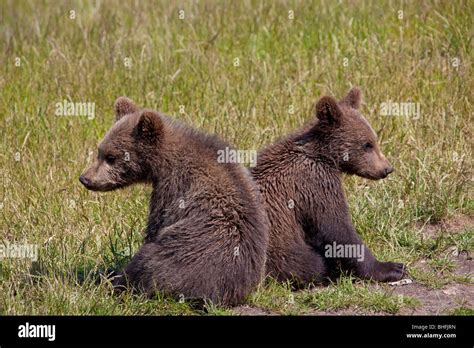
(300, 178)
(207, 231)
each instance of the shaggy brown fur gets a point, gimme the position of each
(207, 232)
(300, 178)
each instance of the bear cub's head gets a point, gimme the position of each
(124, 154)
(348, 139)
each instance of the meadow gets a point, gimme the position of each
(249, 71)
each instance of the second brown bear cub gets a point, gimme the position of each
(207, 232)
(300, 178)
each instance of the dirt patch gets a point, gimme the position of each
(454, 294)
(248, 310)
(437, 302)
(457, 224)
(464, 265)
(343, 312)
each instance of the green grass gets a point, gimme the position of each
(359, 297)
(283, 64)
(463, 311)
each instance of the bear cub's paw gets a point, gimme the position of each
(389, 271)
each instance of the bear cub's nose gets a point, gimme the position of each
(84, 181)
(389, 170)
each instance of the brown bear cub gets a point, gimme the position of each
(207, 232)
(300, 179)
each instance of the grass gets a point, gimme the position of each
(463, 311)
(188, 68)
(359, 297)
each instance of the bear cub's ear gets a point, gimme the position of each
(353, 98)
(149, 127)
(328, 112)
(124, 106)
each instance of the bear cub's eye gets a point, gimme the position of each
(110, 159)
(368, 146)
